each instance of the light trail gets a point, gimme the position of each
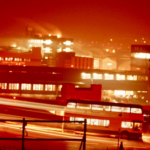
(33, 105)
(37, 129)
(51, 132)
(48, 107)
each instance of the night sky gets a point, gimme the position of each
(85, 20)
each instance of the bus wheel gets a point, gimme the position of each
(124, 135)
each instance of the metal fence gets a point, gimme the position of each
(24, 123)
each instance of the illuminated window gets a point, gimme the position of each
(83, 106)
(79, 119)
(128, 93)
(105, 92)
(67, 43)
(67, 49)
(116, 109)
(8, 58)
(142, 55)
(1, 58)
(119, 93)
(120, 109)
(97, 76)
(86, 76)
(94, 122)
(144, 91)
(59, 49)
(125, 124)
(108, 76)
(59, 87)
(97, 107)
(38, 87)
(58, 36)
(136, 110)
(47, 50)
(26, 59)
(13, 86)
(106, 108)
(96, 63)
(126, 109)
(88, 121)
(135, 96)
(103, 122)
(142, 78)
(120, 77)
(137, 126)
(71, 105)
(131, 77)
(99, 122)
(25, 86)
(109, 64)
(3, 85)
(101, 107)
(17, 59)
(49, 87)
(48, 42)
(71, 118)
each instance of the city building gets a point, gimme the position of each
(33, 57)
(140, 55)
(70, 91)
(69, 60)
(13, 57)
(50, 44)
(117, 86)
(51, 63)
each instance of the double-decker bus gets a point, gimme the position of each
(117, 119)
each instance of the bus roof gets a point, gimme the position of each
(103, 103)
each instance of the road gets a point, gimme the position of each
(32, 105)
(27, 109)
(10, 130)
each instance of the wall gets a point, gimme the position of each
(69, 91)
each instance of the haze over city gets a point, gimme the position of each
(92, 24)
(74, 74)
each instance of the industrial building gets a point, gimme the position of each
(122, 86)
(51, 63)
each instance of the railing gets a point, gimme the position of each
(24, 123)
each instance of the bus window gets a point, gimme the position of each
(98, 122)
(103, 122)
(116, 108)
(136, 110)
(125, 124)
(106, 108)
(71, 105)
(94, 122)
(88, 121)
(71, 118)
(137, 126)
(83, 106)
(126, 109)
(97, 107)
(79, 119)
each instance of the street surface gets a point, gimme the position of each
(11, 130)
(32, 110)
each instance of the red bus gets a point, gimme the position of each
(108, 118)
